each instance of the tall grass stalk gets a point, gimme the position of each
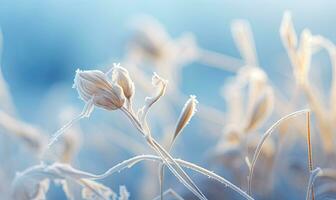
(310, 156)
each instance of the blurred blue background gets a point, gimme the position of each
(45, 41)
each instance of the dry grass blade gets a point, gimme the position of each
(263, 139)
(310, 156)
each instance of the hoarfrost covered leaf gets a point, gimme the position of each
(30, 184)
(93, 190)
(33, 183)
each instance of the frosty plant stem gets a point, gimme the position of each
(166, 157)
(132, 161)
(263, 139)
(95, 88)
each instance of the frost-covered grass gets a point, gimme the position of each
(257, 164)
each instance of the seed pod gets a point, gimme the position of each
(121, 76)
(186, 114)
(94, 85)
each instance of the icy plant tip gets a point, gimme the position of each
(187, 113)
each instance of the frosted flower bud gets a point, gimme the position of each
(121, 76)
(186, 114)
(94, 85)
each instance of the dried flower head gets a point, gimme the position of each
(94, 88)
(121, 76)
(93, 85)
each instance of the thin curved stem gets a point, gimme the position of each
(85, 113)
(131, 162)
(263, 139)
